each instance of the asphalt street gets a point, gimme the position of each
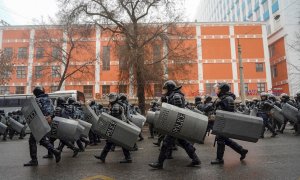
(270, 158)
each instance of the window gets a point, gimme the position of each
(8, 52)
(259, 67)
(21, 72)
(55, 71)
(257, 13)
(272, 50)
(106, 58)
(123, 89)
(266, 6)
(88, 91)
(157, 90)
(209, 89)
(38, 71)
(274, 71)
(249, 5)
(157, 57)
(22, 53)
(53, 88)
(122, 58)
(20, 89)
(4, 90)
(105, 89)
(39, 52)
(261, 87)
(56, 54)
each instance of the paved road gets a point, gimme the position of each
(270, 158)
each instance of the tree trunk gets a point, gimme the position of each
(140, 89)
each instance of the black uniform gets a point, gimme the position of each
(154, 108)
(47, 109)
(264, 108)
(116, 111)
(297, 105)
(225, 102)
(175, 97)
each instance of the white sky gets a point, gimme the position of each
(26, 12)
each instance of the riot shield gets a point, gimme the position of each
(238, 126)
(35, 119)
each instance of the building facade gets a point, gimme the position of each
(215, 59)
(282, 19)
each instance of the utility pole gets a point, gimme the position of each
(242, 83)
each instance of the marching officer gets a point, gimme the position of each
(47, 109)
(174, 97)
(117, 111)
(225, 102)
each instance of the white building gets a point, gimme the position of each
(283, 22)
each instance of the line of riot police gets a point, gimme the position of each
(11, 124)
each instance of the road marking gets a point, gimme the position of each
(98, 177)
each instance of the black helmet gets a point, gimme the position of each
(113, 97)
(298, 95)
(60, 101)
(198, 99)
(170, 86)
(207, 98)
(224, 87)
(284, 96)
(92, 103)
(122, 97)
(272, 97)
(264, 94)
(38, 90)
(71, 100)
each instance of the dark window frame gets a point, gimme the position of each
(88, 91)
(22, 53)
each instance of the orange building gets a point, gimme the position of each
(215, 60)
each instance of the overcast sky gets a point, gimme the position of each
(26, 12)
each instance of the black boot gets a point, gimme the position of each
(156, 143)
(156, 165)
(220, 154)
(80, 145)
(239, 149)
(269, 126)
(104, 152)
(127, 156)
(57, 155)
(32, 163)
(48, 156)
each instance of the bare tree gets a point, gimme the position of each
(72, 55)
(6, 67)
(136, 25)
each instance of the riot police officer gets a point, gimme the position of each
(59, 112)
(117, 111)
(264, 108)
(174, 97)
(198, 103)
(153, 108)
(275, 122)
(225, 102)
(284, 98)
(47, 109)
(208, 110)
(297, 104)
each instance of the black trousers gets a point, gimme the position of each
(107, 148)
(222, 141)
(33, 147)
(167, 146)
